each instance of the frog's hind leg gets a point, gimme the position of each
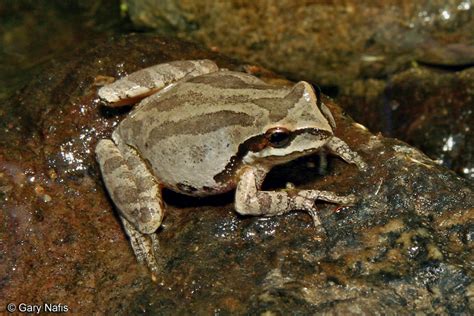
(142, 83)
(136, 194)
(145, 247)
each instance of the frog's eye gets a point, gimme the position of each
(278, 137)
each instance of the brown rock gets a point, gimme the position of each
(329, 42)
(428, 108)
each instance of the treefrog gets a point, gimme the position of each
(200, 130)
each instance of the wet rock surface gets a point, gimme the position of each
(430, 109)
(405, 246)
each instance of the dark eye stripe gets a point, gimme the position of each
(256, 144)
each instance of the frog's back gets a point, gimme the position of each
(190, 132)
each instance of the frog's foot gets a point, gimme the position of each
(145, 247)
(250, 200)
(339, 147)
(142, 83)
(328, 196)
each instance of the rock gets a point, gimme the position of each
(430, 109)
(33, 34)
(331, 43)
(407, 244)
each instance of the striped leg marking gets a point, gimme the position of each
(142, 83)
(250, 200)
(136, 195)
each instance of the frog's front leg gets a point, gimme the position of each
(339, 147)
(142, 83)
(136, 194)
(250, 200)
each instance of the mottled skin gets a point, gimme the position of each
(203, 131)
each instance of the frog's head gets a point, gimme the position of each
(305, 129)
